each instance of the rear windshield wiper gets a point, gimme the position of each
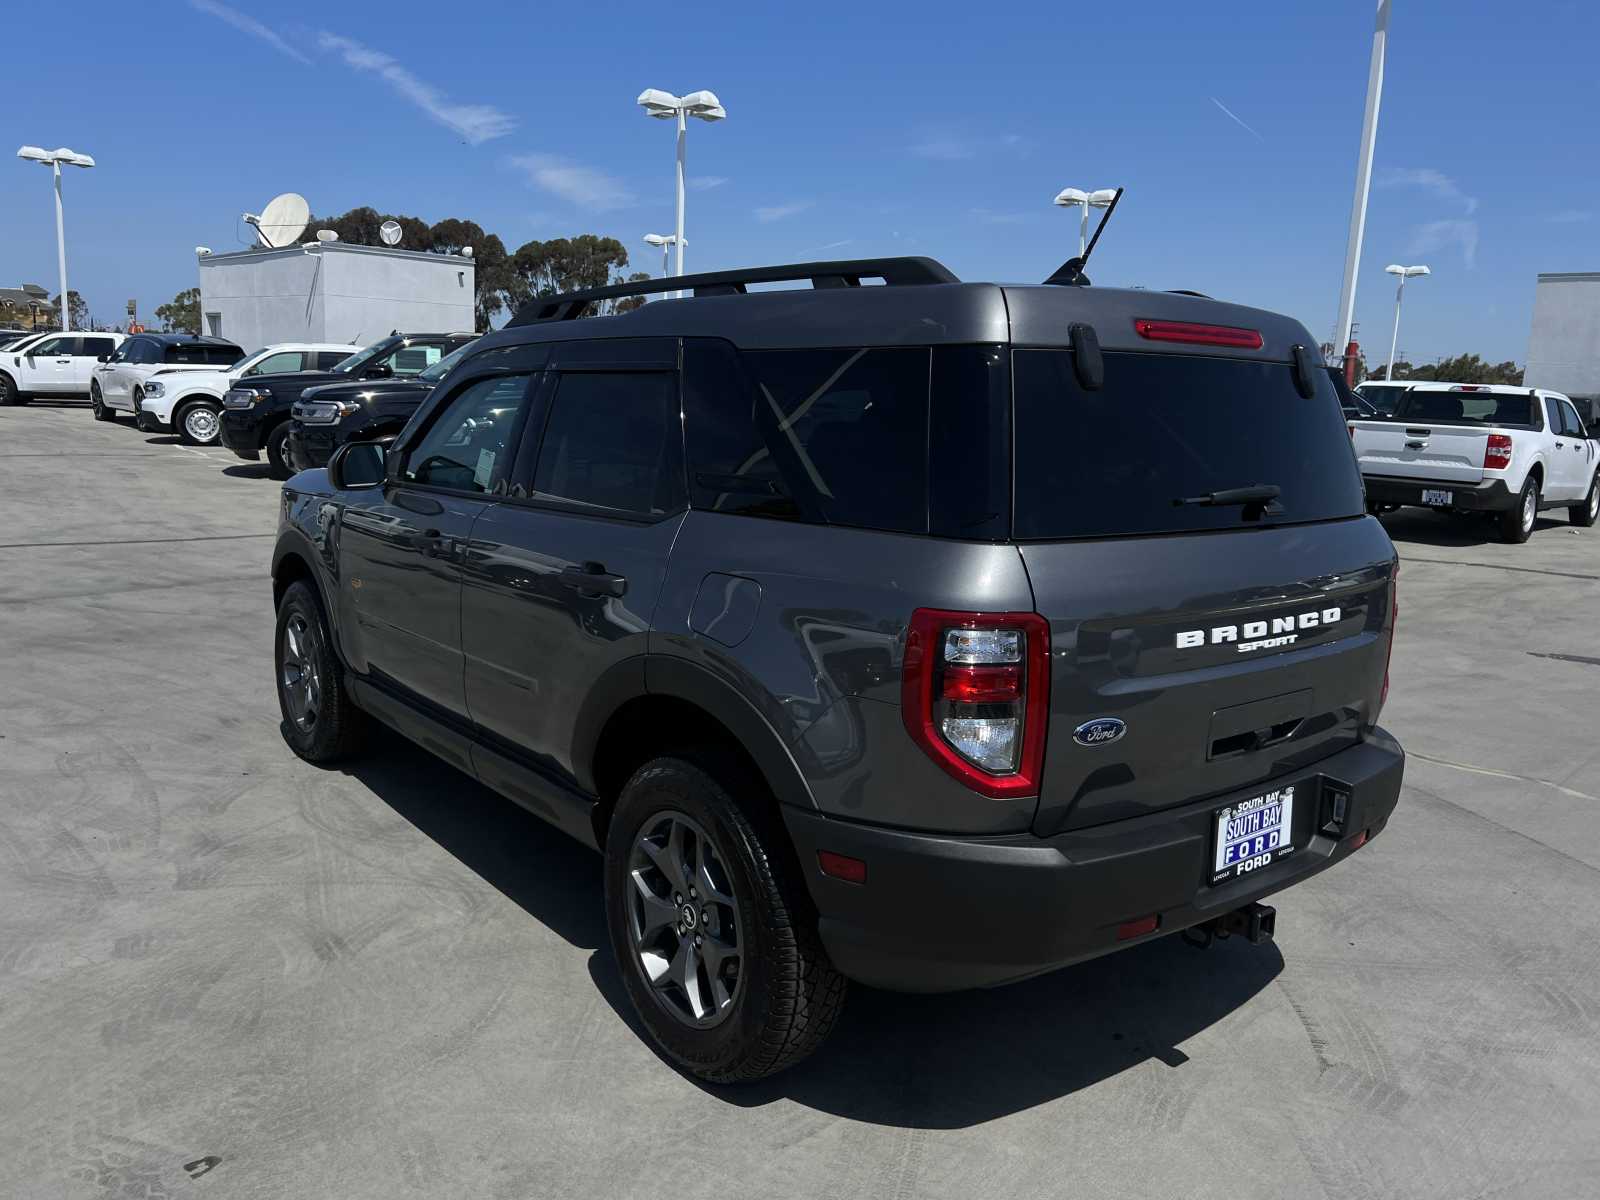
(1260, 493)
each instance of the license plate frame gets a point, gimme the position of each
(1253, 833)
(1438, 497)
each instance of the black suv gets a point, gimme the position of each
(932, 635)
(255, 415)
(331, 414)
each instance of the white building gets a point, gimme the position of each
(1564, 344)
(331, 292)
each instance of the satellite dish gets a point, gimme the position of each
(327, 235)
(389, 231)
(466, 252)
(282, 221)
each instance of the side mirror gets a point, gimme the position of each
(103, 358)
(358, 465)
(381, 371)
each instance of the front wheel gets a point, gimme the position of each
(320, 722)
(716, 944)
(278, 452)
(9, 395)
(1584, 514)
(1516, 523)
(199, 423)
(97, 402)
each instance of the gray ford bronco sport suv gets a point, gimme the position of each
(930, 635)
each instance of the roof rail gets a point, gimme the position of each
(895, 272)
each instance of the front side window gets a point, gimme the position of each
(611, 442)
(468, 447)
(53, 347)
(280, 362)
(1570, 424)
(143, 352)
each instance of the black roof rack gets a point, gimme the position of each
(895, 272)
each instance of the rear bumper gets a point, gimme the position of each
(1489, 495)
(944, 913)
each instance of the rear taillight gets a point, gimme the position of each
(975, 693)
(1199, 335)
(1388, 657)
(1497, 452)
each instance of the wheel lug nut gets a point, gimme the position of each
(693, 894)
(677, 897)
(698, 940)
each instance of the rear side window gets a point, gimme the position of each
(328, 359)
(282, 361)
(1169, 428)
(94, 347)
(611, 442)
(206, 354)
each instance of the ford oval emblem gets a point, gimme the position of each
(1101, 731)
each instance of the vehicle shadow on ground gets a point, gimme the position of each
(249, 471)
(1420, 527)
(917, 1062)
(57, 402)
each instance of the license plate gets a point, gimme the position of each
(1253, 834)
(1435, 496)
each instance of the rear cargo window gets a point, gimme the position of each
(1167, 428)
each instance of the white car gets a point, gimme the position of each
(53, 364)
(1486, 448)
(118, 382)
(187, 401)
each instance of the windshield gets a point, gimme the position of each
(444, 366)
(1160, 447)
(1516, 409)
(352, 362)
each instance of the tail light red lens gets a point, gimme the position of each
(975, 695)
(1497, 452)
(1199, 335)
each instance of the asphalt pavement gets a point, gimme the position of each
(225, 972)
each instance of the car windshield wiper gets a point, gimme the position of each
(1260, 493)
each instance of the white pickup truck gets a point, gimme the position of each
(1481, 448)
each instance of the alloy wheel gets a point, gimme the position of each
(1530, 500)
(1594, 500)
(200, 423)
(683, 920)
(298, 677)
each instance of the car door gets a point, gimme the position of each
(561, 580)
(86, 357)
(400, 545)
(1581, 449)
(46, 369)
(1562, 483)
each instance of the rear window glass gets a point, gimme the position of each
(1169, 428)
(1470, 408)
(208, 355)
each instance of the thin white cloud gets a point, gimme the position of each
(1237, 119)
(704, 183)
(951, 148)
(245, 23)
(474, 123)
(988, 216)
(1457, 233)
(829, 246)
(584, 187)
(777, 212)
(1571, 216)
(1428, 179)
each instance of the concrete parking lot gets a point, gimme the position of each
(225, 972)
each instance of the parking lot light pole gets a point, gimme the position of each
(1077, 197)
(1358, 209)
(666, 107)
(54, 159)
(666, 241)
(1405, 273)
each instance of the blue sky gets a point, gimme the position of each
(854, 129)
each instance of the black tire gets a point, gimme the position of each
(98, 403)
(9, 396)
(1517, 522)
(336, 727)
(1585, 512)
(189, 437)
(787, 996)
(277, 452)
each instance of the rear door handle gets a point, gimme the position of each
(434, 544)
(592, 579)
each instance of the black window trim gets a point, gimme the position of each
(400, 452)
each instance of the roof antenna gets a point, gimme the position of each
(1070, 273)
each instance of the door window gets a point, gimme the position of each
(406, 361)
(611, 442)
(468, 447)
(1570, 424)
(272, 364)
(142, 352)
(53, 347)
(328, 359)
(1553, 411)
(94, 347)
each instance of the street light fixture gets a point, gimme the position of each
(1404, 273)
(1077, 197)
(53, 159)
(666, 241)
(665, 106)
